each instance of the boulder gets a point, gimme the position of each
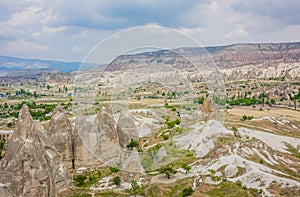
(230, 171)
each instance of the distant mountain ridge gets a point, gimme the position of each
(228, 56)
(8, 63)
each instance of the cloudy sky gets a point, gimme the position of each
(68, 30)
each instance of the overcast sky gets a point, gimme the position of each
(68, 30)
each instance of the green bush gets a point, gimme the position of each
(171, 124)
(247, 117)
(187, 192)
(132, 144)
(114, 169)
(117, 181)
(79, 179)
(165, 136)
(167, 170)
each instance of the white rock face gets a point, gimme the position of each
(96, 138)
(133, 163)
(126, 128)
(230, 171)
(61, 134)
(160, 155)
(203, 136)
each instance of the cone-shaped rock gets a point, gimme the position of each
(30, 166)
(126, 128)
(133, 163)
(61, 133)
(108, 142)
(24, 123)
(160, 155)
(107, 124)
(96, 137)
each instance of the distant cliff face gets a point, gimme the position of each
(254, 54)
(235, 61)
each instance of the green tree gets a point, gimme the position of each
(187, 192)
(114, 169)
(186, 167)
(132, 144)
(168, 171)
(134, 187)
(79, 179)
(117, 181)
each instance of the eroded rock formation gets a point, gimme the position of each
(31, 165)
(126, 129)
(97, 138)
(61, 134)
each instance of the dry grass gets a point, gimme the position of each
(234, 116)
(288, 114)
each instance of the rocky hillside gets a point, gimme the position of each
(235, 61)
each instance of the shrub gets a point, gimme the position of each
(187, 192)
(117, 181)
(10, 124)
(186, 167)
(234, 129)
(212, 171)
(167, 170)
(165, 136)
(132, 144)
(114, 169)
(238, 183)
(79, 179)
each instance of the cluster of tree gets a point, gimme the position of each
(247, 117)
(87, 178)
(171, 124)
(244, 101)
(199, 100)
(27, 93)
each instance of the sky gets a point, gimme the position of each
(68, 30)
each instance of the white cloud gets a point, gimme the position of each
(23, 45)
(59, 29)
(240, 31)
(33, 15)
(192, 31)
(76, 49)
(214, 6)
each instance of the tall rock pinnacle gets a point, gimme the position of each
(126, 128)
(61, 134)
(31, 166)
